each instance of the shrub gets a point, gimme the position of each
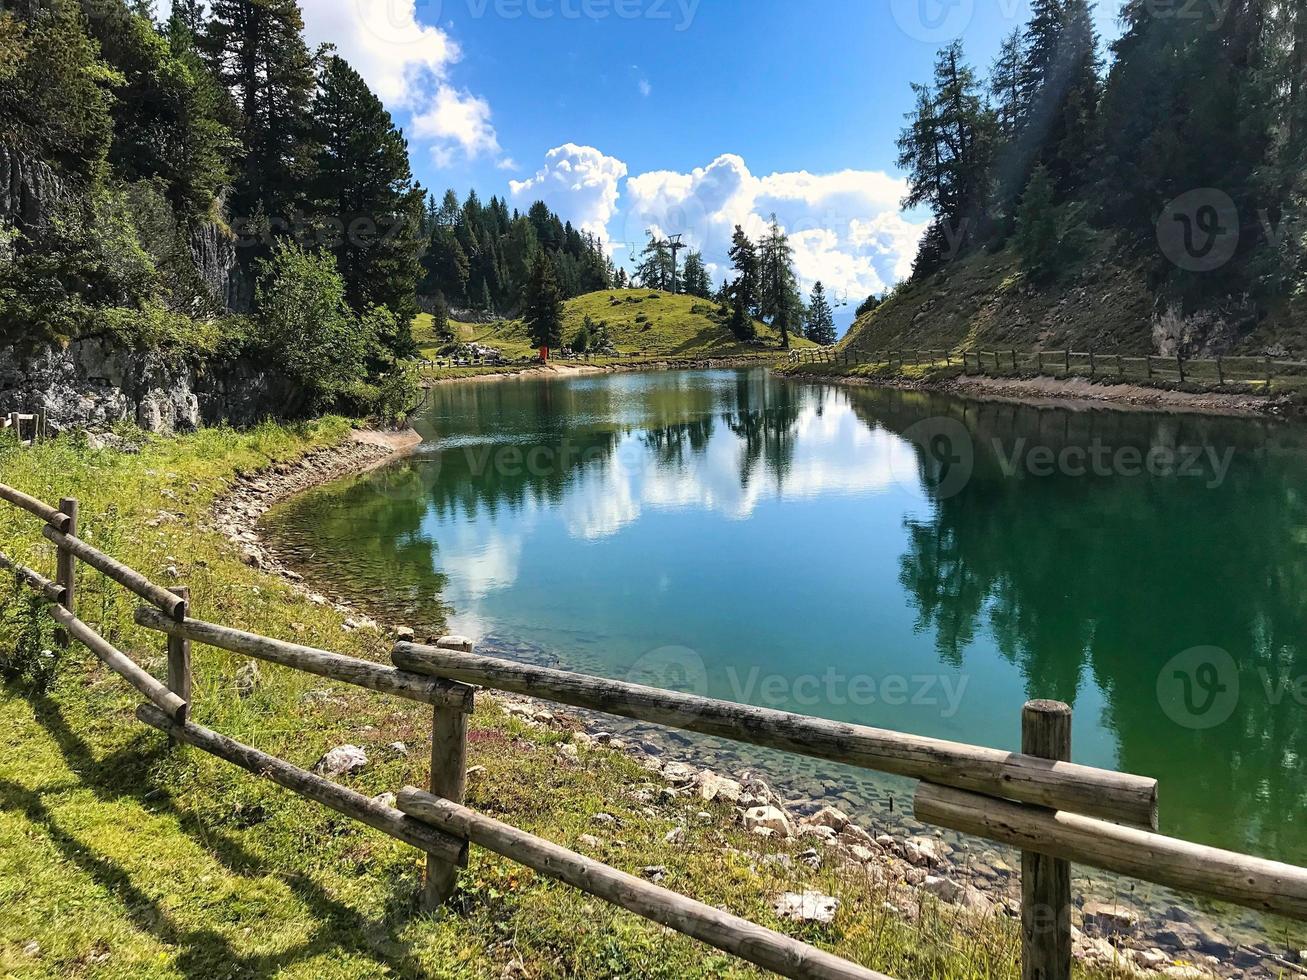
(306, 326)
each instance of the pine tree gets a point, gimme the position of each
(696, 278)
(821, 321)
(778, 293)
(544, 305)
(744, 290)
(1005, 86)
(655, 268)
(440, 325)
(364, 190)
(256, 50)
(1037, 232)
(948, 150)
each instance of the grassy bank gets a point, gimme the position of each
(639, 323)
(121, 856)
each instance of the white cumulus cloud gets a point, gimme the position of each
(578, 182)
(846, 228)
(386, 44)
(456, 120)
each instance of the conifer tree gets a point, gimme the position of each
(821, 321)
(256, 50)
(363, 189)
(544, 305)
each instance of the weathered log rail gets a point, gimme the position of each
(1256, 371)
(1056, 812)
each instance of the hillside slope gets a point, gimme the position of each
(638, 322)
(1102, 302)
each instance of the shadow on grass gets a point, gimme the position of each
(204, 953)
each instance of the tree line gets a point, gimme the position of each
(763, 286)
(142, 144)
(1053, 147)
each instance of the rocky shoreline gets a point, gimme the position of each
(813, 822)
(1074, 392)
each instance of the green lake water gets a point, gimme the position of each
(897, 559)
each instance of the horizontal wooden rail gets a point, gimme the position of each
(1249, 881)
(747, 940)
(129, 579)
(54, 518)
(350, 670)
(1058, 785)
(376, 815)
(121, 664)
(51, 590)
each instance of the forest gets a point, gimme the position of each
(1189, 144)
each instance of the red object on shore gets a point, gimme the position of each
(544, 355)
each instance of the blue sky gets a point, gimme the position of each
(678, 115)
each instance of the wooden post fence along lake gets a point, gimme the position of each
(1054, 811)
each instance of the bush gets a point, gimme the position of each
(306, 326)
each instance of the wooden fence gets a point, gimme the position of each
(1254, 371)
(1036, 800)
(36, 426)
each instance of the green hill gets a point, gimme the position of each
(639, 322)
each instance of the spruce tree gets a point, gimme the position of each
(1037, 231)
(364, 189)
(256, 50)
(544, 305)
(821, 321)
(744, 290)
(778, 293)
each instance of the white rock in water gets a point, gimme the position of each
(807, 906)
(342, 760)
(767, 818)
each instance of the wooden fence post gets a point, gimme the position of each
(1268, 373)
(448, 780)
(1091, 362)
(66, 566)
(1220, 372)
(179, 654)
(1014, 360)
(1148, 364)
(1179, 363)
(1068, 360)
(1045, 881)
(1040, 355)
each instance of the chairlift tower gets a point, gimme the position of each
(675, 244)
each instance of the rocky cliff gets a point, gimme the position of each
(91, 383)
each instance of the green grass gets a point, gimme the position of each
(122, 856)
(640, 323)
